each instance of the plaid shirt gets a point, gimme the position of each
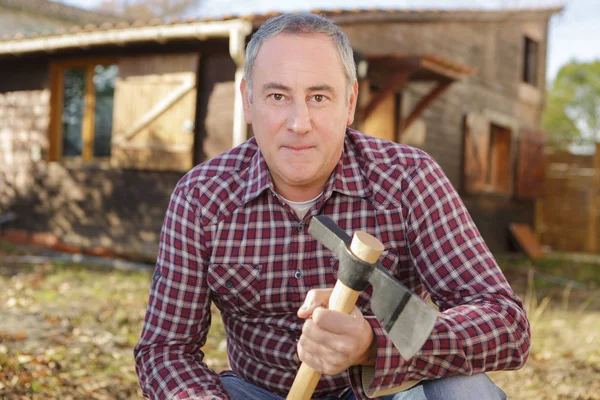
(228, 238)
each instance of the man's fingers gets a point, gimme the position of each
(315, 298)
(332, 341)
(337, 322)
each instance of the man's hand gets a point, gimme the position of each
(331, 341)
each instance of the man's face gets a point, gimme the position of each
(299, 111)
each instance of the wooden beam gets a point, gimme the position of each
(424, 103)
(57, 85)
(89, 115)
(85, 62)
(399, 79)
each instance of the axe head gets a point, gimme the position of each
(406, 318)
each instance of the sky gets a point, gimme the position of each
(573, 34)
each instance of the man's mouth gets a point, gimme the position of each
(298, 148)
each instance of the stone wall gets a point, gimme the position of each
(23, 141)
(91, 206)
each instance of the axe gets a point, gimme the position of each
(406, 318)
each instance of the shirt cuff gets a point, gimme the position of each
(386, 376)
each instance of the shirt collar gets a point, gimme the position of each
(347, 177)
(258, 179)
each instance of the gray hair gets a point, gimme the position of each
(300, 24)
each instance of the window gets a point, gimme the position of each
(530, 61)
(82, 109)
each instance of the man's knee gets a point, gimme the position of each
(475, 387)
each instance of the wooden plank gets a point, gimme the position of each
(85, 62)
(57, 84)
(89, 115)
(527, 240)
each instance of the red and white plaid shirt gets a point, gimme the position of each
(228, 238)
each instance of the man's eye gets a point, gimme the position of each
(319, 98)
(277, 97)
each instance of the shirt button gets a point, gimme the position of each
(301, 228)
(298, 274)
(228, 284)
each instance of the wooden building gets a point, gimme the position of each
(101, 121)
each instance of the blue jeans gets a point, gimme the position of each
(476, 387)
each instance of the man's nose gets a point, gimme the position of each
(298, 119)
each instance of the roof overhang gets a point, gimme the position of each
(378, 15)
(422, 67)
(123, 36)
(404, 69)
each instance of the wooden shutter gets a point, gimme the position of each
(531, 164)
(154, 112)
(476, 153)
(501, 162)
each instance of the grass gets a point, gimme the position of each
(68, 331)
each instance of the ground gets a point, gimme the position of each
(67, 331)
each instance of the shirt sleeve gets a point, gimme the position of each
(481, 325)
(168, 358)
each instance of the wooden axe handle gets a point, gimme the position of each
(367, 248)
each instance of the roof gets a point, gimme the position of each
(359, 15)
(59, 11)
(106, 32)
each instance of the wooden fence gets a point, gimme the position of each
(567, 213)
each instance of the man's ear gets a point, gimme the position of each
(246, 101)
(352, 103)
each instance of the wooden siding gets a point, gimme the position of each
(493, 48)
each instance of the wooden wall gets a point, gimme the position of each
(494, 48)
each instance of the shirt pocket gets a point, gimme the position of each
(235, 288)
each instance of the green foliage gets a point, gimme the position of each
(572, 113)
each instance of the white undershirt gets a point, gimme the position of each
(301, 207)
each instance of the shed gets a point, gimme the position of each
(102, 120)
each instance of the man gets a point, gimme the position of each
(235, 233)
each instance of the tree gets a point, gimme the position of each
(148, 9)
(572, 113)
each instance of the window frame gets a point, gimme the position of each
(57, 81)
(531, 61)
